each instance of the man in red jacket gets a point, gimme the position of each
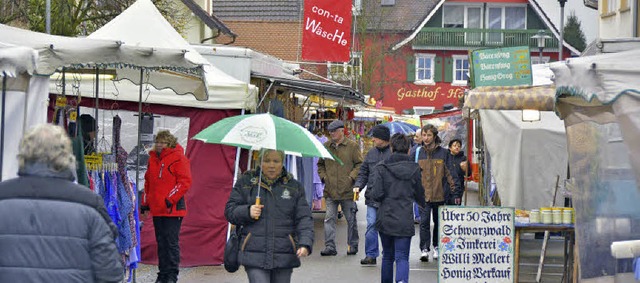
(167, 180)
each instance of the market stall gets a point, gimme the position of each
(599, 101)
(524, 166)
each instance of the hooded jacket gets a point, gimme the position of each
(373, 157)
(167, 180)
(285, 224)
(396, 185)
(434, 171)
(453, 163)
(52, 230)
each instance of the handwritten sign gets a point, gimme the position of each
(476, 244)
(501, 66)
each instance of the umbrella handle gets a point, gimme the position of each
(257, 203)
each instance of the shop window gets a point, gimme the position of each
(460, 70)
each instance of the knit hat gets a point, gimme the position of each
(336, 124)
(381, 132)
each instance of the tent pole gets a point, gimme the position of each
(95, 141)
(236, 167)
(4, 100)
(138, 153)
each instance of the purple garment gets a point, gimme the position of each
(318, 186)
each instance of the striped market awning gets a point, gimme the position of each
(512, 98)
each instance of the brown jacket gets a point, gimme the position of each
(339, 179)
(434, 172)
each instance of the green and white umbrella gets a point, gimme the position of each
(258, 131)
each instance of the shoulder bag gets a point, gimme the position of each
(231, 250)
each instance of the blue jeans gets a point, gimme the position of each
(371, 235)
(395, 249)
(416, 211)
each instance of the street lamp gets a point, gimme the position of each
(541, 38)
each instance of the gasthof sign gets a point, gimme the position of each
(501, 66)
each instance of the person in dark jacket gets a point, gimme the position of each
(276, 233)
(457, 164)
(431, 158)
(396, 185)
(380, 151)
(51, 229)
(167, 180)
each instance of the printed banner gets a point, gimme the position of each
(476, 244)
(326, 30)
(501, 67)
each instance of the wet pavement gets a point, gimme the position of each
(316, 268)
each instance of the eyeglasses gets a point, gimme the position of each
(161, 142)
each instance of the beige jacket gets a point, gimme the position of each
(339, 179)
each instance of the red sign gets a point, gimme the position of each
(326, 30)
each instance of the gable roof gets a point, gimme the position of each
(210, 20)
(258, 10)
(533, 3)
(404, 15)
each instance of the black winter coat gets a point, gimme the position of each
(285, 224)
(453, 163)
(374, 156)
(397, 183)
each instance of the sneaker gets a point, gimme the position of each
(424, 257)
(328, 252)
(352, 250)
(435, 253)
(368, 261)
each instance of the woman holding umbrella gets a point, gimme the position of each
(276, 231)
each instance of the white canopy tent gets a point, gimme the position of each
(24, 101)
(142, 25)
(55, 52)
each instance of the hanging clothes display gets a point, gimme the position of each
(107, 177)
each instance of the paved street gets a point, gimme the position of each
(316, 268)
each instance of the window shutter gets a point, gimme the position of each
(605, 7)
(411, 69)
(448, 70)
(437, 73)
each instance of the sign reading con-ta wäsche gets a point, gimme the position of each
(501, 67)
(476, 244)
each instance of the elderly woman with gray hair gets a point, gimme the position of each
(277, 232)
(51, 229)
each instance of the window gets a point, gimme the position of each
(453, 16)
(515, 18)
(425, 68)
(460, 70)
(510, 17)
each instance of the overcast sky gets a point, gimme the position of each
(588, 17)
